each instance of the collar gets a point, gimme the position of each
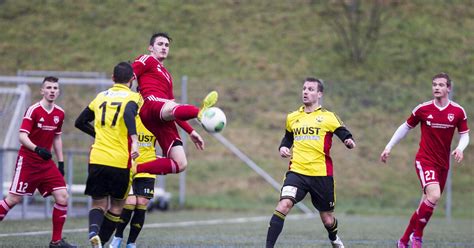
(301, 109)
(120, 86)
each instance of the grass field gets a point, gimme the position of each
(241, 229)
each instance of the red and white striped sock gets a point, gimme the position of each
(59, 218)
(4, 208)
(425, 211)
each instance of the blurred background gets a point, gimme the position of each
(377, 59)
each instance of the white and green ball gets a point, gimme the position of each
(213, 120)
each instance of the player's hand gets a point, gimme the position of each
(43, 153)
(197, 140)
(458, 155)
(350, 143)
(61, 167)
(285, 152)
(134, 150)
(384, 156)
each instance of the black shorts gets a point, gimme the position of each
(106, 180)
(144, 186)
(321, 189)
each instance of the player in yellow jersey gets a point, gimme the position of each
(143, 189)
(116, 143)
(307, 143)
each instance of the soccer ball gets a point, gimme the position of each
(213, 120)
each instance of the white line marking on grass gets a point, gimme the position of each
(173, 224)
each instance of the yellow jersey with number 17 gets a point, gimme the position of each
(112, 143)
(312, 140)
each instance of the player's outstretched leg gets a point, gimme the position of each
(208, 101)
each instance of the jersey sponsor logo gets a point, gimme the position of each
(306, 137)
(56, 119)
(319, 119)
(41, 119)
(145, 138)
(430, 116)
(306, 130)
(450, 117)
(46, 128)
(306, 133)
(122, 94)
(440, 125)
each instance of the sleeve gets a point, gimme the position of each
(399, 134)
(287, 140)
(185, 126)
(343, 133)
(462, 124)
(139, 66)
(59, 130)
(27, 122)
(414, 118)
(129, 115)
(463, 141)
(335, 123)
(83, 121)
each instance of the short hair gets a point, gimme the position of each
(50, 79)
(159, 34)
(123, 72)
(443, 75)
(316, 80)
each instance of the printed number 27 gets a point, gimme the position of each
(103, 106)
(429, 175)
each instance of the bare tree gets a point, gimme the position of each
(357, 24)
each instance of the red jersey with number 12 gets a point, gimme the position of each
(437, 129)
(41, 126)
(153, 78)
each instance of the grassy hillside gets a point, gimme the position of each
(255, 53)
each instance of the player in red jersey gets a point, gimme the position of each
(40, 130)
(160, 113)
(439, 118)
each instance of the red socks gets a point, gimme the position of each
(410, 228)
(4, 208)
(185, 112)
(59, 218)
(424, 214)
(159, 166)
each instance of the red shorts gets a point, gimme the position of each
(428, 173)
(31, 176)
(165, 132)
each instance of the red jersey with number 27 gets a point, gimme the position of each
(153, 78)
(437, 129)
(41, 126)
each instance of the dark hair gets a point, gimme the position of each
(316, 80)
(123, 72)
(50, 79)
(160, 34)
(443, 75)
